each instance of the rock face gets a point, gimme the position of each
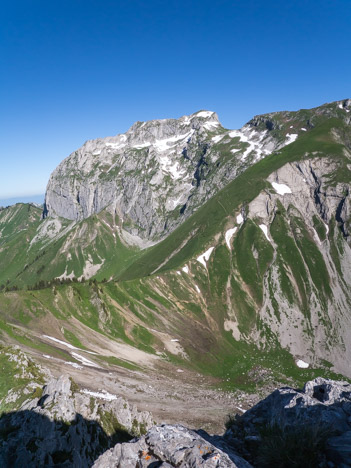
(323, 407)
(308, 208)
(169, 446)
(156, 174)
(64, 427)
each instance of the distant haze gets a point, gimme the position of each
(25, 199)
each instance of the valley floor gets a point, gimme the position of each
(184, 397)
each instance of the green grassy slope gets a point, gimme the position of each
(198, 230)
(214, 312)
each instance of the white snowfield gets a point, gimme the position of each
(83, 360)
(167, 143)
(254, 139)
(210, 125)
(74, 364)
(204, 114)
(228, 236)
(203, 258)
(103, 394)
(265, 230)
(290, 138)
(63, 343)
(59, 341)
(239, 218)
(303, 129)
(282, 189)
(217, 138)
(302, 364)
(186, 269)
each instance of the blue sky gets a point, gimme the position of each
(81, 69)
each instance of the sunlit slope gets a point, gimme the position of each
(210, 219)
(35, 251)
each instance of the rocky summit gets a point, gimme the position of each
(158, 173)
(179, 273)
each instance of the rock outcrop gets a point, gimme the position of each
(169, 446)
(307, 206)
(61, 426)
(321, 412)
(156, 174)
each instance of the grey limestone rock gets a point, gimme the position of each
(64, 427)
(156, 174)
(322, 403)
(309, 192)
(169, 446)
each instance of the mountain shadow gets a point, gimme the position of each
(293, 428)
(29, 439)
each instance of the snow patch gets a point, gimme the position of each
(204, 114)
(255, 141)
(326, 228)
(239, 218)
(217, 138)
(115, 145)
(68, 345)
(175, 340)
(281, 188)
(75, 365)
(103, 395)
(197, 288)
(210, 125)
(290, 138)
(265, 230)
(304, 129)
(59, 341)
(228, 236)
(340, 106)
(240, 409)
(186, 269)
(302, 364)
(178, 272)
(166, 143)
(83, 360)
(203, 258)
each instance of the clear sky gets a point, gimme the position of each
(73, 70)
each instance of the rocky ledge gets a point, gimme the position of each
(290, 428)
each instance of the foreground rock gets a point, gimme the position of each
(314, 422)
(61, 426)
(290, 428)
(169, 446)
